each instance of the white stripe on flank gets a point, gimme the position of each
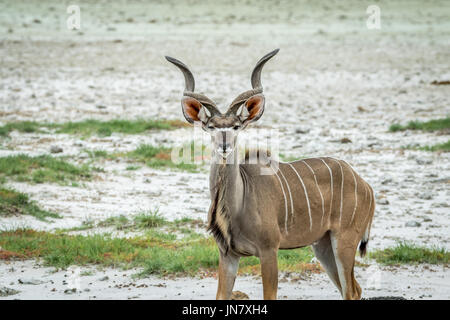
(285, 199)
(290, 196)
(331, 183)
(356, 194)
(370, 206)
(318, 188)
(370, 195)
(342, 190)
(365, 194)
(306, 195)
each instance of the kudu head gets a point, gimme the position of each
(223, 127)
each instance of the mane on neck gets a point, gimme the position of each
(219, 222)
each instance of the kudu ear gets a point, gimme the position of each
(252, 109)
(193, 110)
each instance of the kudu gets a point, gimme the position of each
(321, 202)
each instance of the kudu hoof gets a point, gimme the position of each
(239, 295)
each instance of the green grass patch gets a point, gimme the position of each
(119, 222)
(95, 154)
(442, 147)
(17, 203)
(85, 225)
(432, 125)
(21, 126)
(405, 253)
(152, 219)
(94, 127)
(42, 169)
(437, 147)
(132, 168)
(156, 252)
(286, 158)
(145, 220)
(158, 157)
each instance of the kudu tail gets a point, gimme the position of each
(365, 239)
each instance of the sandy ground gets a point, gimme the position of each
(28, 278)
(333, 78)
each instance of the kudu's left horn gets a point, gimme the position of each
(188, 76)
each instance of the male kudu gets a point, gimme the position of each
(321, 202)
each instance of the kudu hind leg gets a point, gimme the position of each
(324, 253)
(344, 253)
(228, 267)
(269, 273)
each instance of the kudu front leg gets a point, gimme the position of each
(269, 272)
(228, 267)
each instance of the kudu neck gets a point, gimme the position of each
(226, 176)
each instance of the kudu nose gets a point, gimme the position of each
(226, 147)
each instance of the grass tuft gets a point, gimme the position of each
(432, 125)
(16, 203)
(152, 219)
(94, 154)
(286, 158)
(405, 253)
(119, 222)
(441, 147)
(437, 147)
(21, 126)
(41, 169)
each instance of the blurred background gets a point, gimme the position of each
(86, 82)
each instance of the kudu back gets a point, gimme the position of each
(321, 202)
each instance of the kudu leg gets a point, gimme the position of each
(324, 253)
(269, 272)
(228, 267)
(344, 252)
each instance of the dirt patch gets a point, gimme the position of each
(10, 255)
(441, 83)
